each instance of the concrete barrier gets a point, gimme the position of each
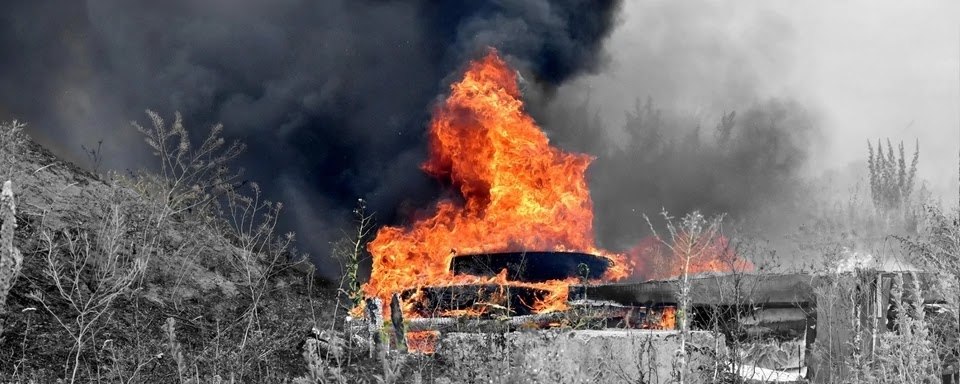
(585, 356)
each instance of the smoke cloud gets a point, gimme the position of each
(750, 164)
(691, 115)
(332, 97)
(809, 84)
(690, 104)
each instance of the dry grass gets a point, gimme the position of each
(172, 277)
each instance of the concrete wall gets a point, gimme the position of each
(588, 356)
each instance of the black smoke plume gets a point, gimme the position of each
(332, 97)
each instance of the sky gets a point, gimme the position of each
(885, 70)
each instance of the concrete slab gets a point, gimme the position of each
(579, 356)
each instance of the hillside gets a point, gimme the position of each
(145, 290)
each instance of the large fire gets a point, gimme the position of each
(518, 193)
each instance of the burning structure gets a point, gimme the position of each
(517, 194)
(515, 248)
(519, 233)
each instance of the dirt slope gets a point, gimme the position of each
(224, 323)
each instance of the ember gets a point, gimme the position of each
(653, 261)
(664, 318)
(422, 341)
(474, 300)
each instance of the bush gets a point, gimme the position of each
(891, 181)
(179, 275)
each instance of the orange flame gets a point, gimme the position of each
(422, 341)
(654, 261)
(665, 318)
(519, 193)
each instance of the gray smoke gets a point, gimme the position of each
(750, 164)
(691, 115)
